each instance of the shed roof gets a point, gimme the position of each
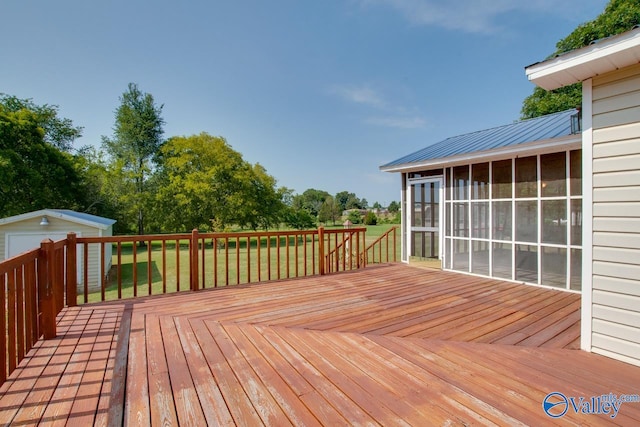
(543, 128)
(65, 214)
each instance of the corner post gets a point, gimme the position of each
(72, 271)
(46, 302)
(321, 251)
(193, 255)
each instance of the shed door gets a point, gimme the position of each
(17, 243)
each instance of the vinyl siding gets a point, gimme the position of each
(57, 225)
(616, 215)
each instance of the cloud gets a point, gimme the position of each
(400, 122)
(473, 16)
(390, 114)
(359, 95)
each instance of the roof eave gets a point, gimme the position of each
(569, 141)
(54, 214)
(576, 66)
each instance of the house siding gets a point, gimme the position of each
(616, 215)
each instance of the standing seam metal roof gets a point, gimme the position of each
(537, 129)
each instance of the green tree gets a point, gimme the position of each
(33, 173)
(329, 211)
(311, 200)
(203, 181)
(619, 16)
(348, 200)
(300, 219)
(263, 205)
(93, 169)
(370, 218)
(137, 137)
(355, 217)
(394, 207)
(58, 131)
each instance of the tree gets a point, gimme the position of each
(311, 200)
(58, 131)
(300, 219)
(96, 184)
(355, 217)
(33, 173)
(348, 200)
(329, 210)
(263, 205)
(203, 181)
(370, 218)
(137, 137)
(394, 207)
(619, 16)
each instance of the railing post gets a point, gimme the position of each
(46, 300)
(193, 254)
(72, 270)
(321, 250)
(364, 245)
(395, 255)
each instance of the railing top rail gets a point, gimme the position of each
(213, 235)
(143, 238)
(18, 260)
(59, 244)
(344, 230)
(221, 235)
(382, 237)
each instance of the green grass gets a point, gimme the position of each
(175, 266)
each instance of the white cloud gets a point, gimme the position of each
(398, 122)
(391, 115)
(474, 16)
(359, 95)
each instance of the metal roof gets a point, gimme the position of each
(538, 129)
(66, 214)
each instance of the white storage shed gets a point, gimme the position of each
(26, 231)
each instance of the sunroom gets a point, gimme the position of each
(504, 202)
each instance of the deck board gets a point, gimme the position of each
(385, 345)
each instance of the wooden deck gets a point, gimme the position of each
(390, 345)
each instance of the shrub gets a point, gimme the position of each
(355, 217)
(370, 218)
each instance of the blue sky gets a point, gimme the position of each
(321, 93)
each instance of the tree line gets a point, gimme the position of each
(147, 183)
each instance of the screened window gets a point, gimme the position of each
(501, 180)
(518, 219)
(526, 177)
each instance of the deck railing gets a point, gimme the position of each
(384, 248)
(36, 285)
(28, 301)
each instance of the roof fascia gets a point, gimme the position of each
(53, 214)
(566, 142)
(607, 55)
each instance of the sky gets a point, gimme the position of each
(319, 92)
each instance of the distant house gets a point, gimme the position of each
(23, 232)
(552, 201)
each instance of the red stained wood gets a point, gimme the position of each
(384, 345)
